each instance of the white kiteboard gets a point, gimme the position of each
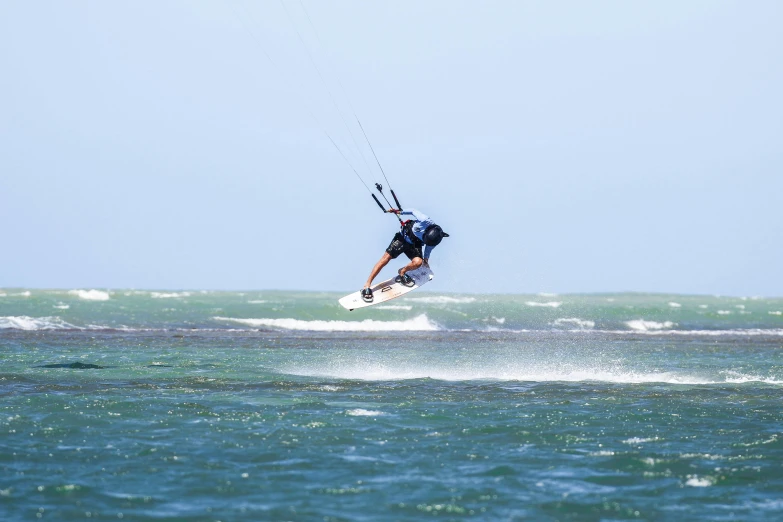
(388, 290)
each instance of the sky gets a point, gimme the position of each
(566, 146)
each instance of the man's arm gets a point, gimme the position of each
(413, 213)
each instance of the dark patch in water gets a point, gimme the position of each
(74, 366)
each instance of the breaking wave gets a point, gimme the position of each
(641, 325)
(419, 323)
(23, 322)
(169, 295)
(442, 299)
(575, 323)
(751, 332)
(26, 293)
(549, 304)
(393, 370)
(91, 295)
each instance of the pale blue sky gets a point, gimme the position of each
(566, 146)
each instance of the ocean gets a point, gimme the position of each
(207, 406)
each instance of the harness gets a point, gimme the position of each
(406, 229)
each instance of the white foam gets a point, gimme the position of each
(706, 456)
(419, 323)
(724, 312)
(740, 378)
(638, 440)
(675, 305)
(442, 299)
(257, 301)
(168, 295)
(580, 324)
(360, 412)
(23, 322)
(775, 313)
(394, 370)
(645, 326)
(699, 482)
(62, 306)
(394, 307)
(546, 294)
(754, 332)
(91, 295)
(550, 304)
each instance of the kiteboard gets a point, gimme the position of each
(388, 290)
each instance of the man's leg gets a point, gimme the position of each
(378, 267)
(415, 263)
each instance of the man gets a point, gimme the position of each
(416, 232)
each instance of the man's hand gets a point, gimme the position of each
(393, 211)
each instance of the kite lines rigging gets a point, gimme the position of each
(256, 34)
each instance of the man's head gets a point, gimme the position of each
(433, 235)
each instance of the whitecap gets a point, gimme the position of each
(168, 295)
(442, 299)
(741, 378)
(360, 412)
(644, 326)
(775, 313)
(23, 322)
(419, 323)
(751, 332)
(550, 304)
(62, 306)
(91, 295)
(581, 324)
(699, 482)
(675, 305)
(394, 307)
(639, 440)
(393, 370)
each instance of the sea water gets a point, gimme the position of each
(141, 405)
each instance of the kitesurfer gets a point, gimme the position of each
(416, 232)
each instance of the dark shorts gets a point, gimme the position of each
(399, 245)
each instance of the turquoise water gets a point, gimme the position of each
(142, 405)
